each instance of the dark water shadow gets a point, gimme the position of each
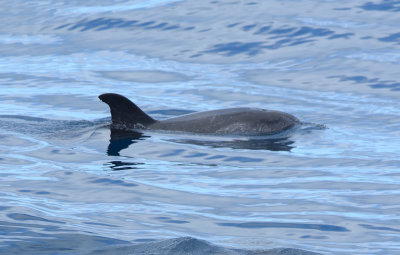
(320, 227)
(276, 37)
(122, 139)
(118, 165)
(374, 83)
(273, 36)
(271, 144)
(282, 141)
(106, 23)
(169, 220)
(384, 5)
(392, 38)
(27, 217)
(371, 227)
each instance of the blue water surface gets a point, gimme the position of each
(71, 186)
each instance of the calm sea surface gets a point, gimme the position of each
(68, 186)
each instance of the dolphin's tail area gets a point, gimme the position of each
(124, 113)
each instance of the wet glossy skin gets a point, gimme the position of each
(230, 121)
(126, 114)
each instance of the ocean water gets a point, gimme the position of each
(70, 186)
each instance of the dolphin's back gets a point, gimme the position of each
(230, 121)
(126, 115)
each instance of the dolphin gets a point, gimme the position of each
(126, 115)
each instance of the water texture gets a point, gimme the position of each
(68, 185)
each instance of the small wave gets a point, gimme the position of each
(63, 130)
(193, 246)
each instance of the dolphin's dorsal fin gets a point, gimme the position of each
(125, 112)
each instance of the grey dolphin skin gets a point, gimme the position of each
(126, 115)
